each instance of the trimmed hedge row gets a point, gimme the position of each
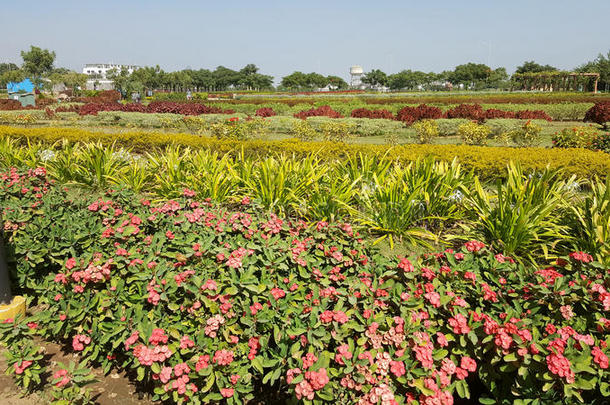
(487, 162)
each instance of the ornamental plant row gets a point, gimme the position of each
(207, 305)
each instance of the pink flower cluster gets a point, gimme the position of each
(147, 356)
(79, 342)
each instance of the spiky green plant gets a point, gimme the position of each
(589, 221)
(519, 215)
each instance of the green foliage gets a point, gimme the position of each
(426, 130)
(303, 130)
(334, 131)
(182, 287)
(526, 136)
(575, 137)
(589, 221)
(474, 134)
(520, 216)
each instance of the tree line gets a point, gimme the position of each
(38, 64)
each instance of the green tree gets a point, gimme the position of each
(375, 78)
(600, 65)
(469, 74)
(337, 82)
(37, 62)
(533, 67)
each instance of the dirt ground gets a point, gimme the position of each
(112, 389)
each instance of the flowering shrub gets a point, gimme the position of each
(206, 303)
(527, 135)
(322, 111)
(575, 137)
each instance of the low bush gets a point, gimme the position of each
(527, 135)
(575, 137)
(203, 304)
(323, 111)
(265, 112)
(426, 130)
(599, 113)
(154, 107)
(409, 115)
(467, 111)
(474, 134)
(449, 127)
(372, 114)
(486, 162)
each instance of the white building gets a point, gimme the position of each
(98, 74)
(356, 73)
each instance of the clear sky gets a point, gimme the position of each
(323, 36)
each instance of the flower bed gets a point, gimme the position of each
(202, 302)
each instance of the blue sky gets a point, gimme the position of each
(323, 36)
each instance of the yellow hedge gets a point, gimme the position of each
(487, 162)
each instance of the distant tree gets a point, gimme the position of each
(315, 80)
(600, 65)
(11, 76)
(5, 67)
(533, 67)
(337, 82)
(469, 73)
(375, 78)
(295, 81)
(72, 80)
(37, 62)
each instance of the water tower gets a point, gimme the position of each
(356, 73)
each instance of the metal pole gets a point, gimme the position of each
(5, 282)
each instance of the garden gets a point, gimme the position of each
(311, 249)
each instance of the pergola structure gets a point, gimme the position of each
(556, 81)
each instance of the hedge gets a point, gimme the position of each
(487, 162)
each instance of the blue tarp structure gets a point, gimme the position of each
(25, 86)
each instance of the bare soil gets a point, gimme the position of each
(112, 389)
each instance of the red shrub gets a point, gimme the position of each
(106, 96)
(409, 115)
(373, 114)
(154, 107)
(494, 113)
(599, 113)
(322, 111)
(265, 112)
(7, 104)
(468, 111)
(532, 115)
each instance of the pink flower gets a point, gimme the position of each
(63, 377)
(397, 368)
(79, 342)
(158, 336)
(434, 298)
(317, 379)
(559, 365)
(441, 340)
(19, 369)
(326, 316)
(459, 324)
(165, 375)
(474, 246)
(226, 392)
(223, 357)
(599, 357)
(406, 265)
(234, 378)
(278, 293)
(186, 342)
(340, 317)
(469, 364)
(70, 263)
